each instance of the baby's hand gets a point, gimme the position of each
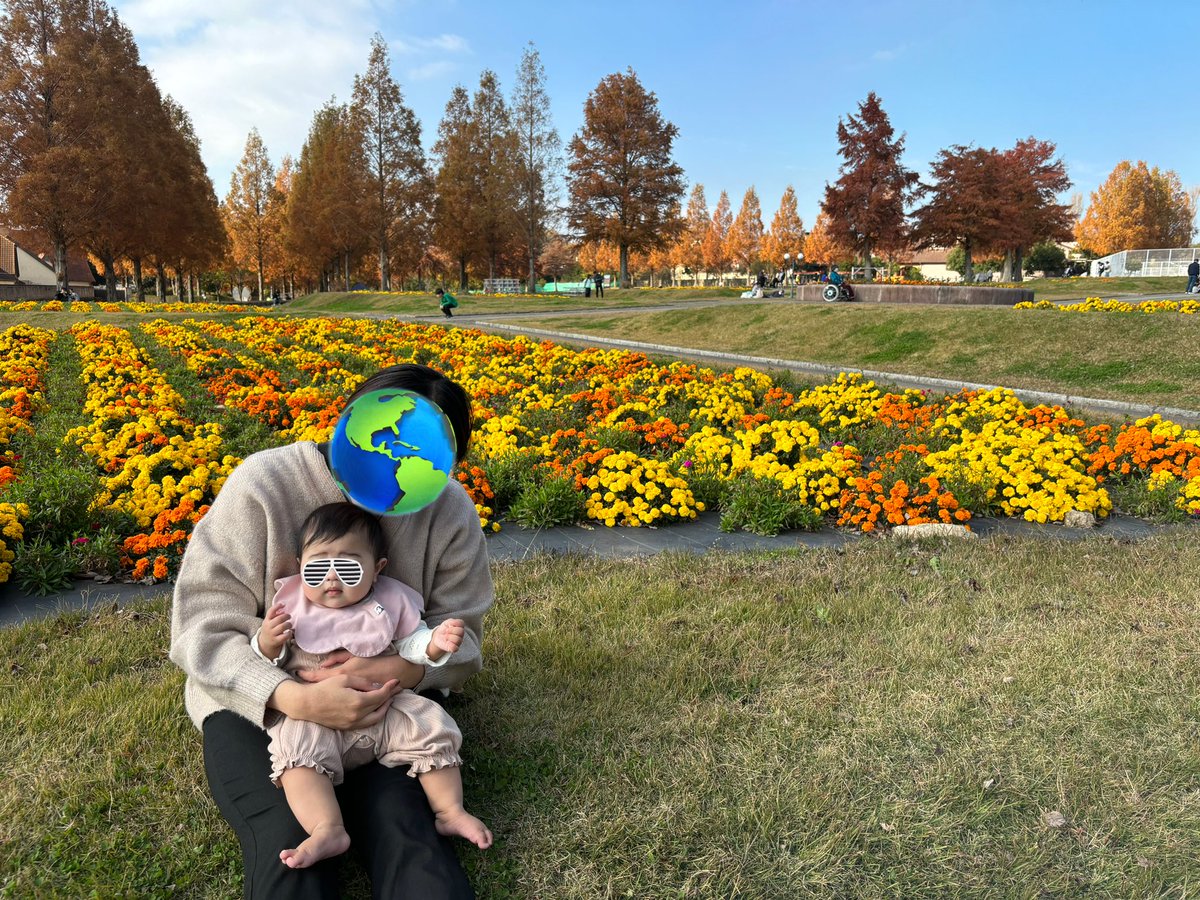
(448, 636)
(275, 631)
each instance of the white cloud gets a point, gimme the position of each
(888, 54)
(445, 43)
(241, 64)
(435, 69)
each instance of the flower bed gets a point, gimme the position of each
(610, 437)
(1095, 304)
(23, 357)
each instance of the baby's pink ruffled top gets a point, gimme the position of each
(391, 611)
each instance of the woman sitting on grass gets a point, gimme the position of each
(245, 542)
(340, 600)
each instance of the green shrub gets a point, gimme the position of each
(99, 553)
(546, 502)
(763, 506)
(1134, 497)
(508, 475)
(59, 499)
(42, 567)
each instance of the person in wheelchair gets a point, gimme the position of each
(842, 285)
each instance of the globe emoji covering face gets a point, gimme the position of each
(392, 451)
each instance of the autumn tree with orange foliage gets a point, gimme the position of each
(557, 260)
(820, 246)
(48, 123)
(398, 184)
(689, 247)
(785, 241)
(745, 238)
(248, 206)
(1137, 208)
(186, 234)
(624, 185)
(283, 267)
(598, 256)
(866, 205)
(969, 204)
(714, 247)
(326, 219)
(540, 153)
(1034, 179)
(455, 181)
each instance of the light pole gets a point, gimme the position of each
(786, 265)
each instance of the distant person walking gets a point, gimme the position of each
(598, 280)
(447, 302)
(1193, 271)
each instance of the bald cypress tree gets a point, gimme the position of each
(865, 207)
(397, 177)
(624, 185)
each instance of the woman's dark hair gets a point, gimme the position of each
(432, 384)
(333, 520)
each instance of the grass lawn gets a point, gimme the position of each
(1153, 359)
(880, 721)
(478, 304)
(617, 298)
(1106, 288)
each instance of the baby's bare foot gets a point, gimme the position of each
(458, 822)
(324, 842)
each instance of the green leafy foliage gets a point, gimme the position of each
(545, 502)
(763, 506)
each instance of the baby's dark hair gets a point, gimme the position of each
(334, 520)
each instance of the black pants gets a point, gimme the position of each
(386, 813)
(599, 289)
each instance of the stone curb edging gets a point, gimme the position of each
(949, 386)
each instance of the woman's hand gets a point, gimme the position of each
(342, 701)
(374, 668)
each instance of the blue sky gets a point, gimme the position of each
(755, 87)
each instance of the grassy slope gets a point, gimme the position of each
(477, 305)
(1140, 358)
(882, 721)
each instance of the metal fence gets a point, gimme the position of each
(503, 285)
(1146, 263)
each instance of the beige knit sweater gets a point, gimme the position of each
(249, 538)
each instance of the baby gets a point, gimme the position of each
(340, 600)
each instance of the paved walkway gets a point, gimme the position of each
(515, 543)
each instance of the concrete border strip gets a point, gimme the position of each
(1092, 404)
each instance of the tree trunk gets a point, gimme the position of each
(138, 291)
(968, 268)
(462, 273)
(385, 264)
(1018, 264)
(60, 265)
(110, 276)
(346, 270)
(260, 279)
(868, 273)
(1006, 274)
(624, 275)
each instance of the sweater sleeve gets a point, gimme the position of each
(218, 607)
(460, 587)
